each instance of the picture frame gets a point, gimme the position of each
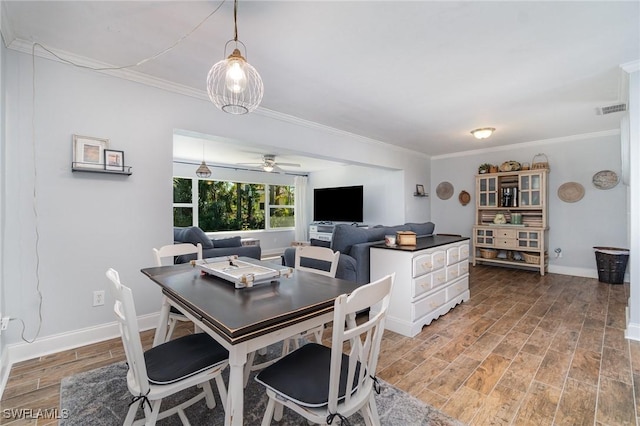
(88, 152)
(420, 190)
(114, 160)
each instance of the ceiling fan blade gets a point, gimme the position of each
(288, 164)
(250, 164)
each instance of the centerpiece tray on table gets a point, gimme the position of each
(241, 273)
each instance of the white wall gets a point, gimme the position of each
(3, 362)
(599, 219)
(382, 203)
(88, 222)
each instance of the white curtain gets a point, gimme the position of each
(300, 208)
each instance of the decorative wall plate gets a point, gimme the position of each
(464, 198)
(605, 179)
(444, 190)
(570, 192)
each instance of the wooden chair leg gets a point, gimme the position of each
(268, 412)
(131, 414)
(222, 390)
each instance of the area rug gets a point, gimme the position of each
(100, 398)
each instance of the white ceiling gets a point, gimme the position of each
(418, 74)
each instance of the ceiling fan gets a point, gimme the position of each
(269, 164)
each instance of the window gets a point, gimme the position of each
(232, 206)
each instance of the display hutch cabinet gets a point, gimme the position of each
(521, 197)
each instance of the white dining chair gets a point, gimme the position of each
(168, 368)
(162, 255)
(322, 383)
(319, 260)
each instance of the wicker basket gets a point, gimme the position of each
(488, 253)
(540, 161)
(531, 258)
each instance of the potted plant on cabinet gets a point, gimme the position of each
(484, 168)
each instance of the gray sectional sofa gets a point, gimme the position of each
(353, 244)
(212, 247)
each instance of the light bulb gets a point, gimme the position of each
(267, 168)
(236, 79)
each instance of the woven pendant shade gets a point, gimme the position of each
(203, 171)
(234, 85)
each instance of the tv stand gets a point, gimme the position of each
(321, 230)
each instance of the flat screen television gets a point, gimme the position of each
(340, 204)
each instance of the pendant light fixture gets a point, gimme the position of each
(233, 84)
(203, 171)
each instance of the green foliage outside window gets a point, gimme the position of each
(233, 206)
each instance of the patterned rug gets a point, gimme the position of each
(100, 398)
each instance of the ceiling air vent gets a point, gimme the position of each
(611, 109)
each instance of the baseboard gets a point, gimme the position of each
(23, 351)
(577, 272)
(5, 368)
(632, 332)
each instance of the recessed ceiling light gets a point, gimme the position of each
(483, 133)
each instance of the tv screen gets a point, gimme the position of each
(340, 204)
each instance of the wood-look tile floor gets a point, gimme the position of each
(524, 350)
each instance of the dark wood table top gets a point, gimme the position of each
(241, 314)
(423, 243)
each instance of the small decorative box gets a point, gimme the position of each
(406, 238)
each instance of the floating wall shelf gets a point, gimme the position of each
(78, 167)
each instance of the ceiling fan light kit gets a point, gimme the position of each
(233, 84)
(483, 133)
(269, 164)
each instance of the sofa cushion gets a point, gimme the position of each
(344, 236)
(227, 242)
(422, 228)
(193, 235)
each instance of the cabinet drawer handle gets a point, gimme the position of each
(426, 265)
(440, 279)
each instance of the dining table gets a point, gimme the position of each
(244, 320)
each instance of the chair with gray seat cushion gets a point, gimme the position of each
(317, 260)
(322, 383)
(168, 368)
(167, 255)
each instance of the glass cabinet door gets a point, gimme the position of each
(529, 239)
(530, 190)
(484, 236)
(488, 191)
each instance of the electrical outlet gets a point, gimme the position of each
(98, 298)
(4, 323)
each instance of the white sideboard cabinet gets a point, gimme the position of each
(431, 278)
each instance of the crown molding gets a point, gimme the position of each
(27, 47)
(529, 144)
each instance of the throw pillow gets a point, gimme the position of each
(227, 242)
(344, 236)
(193, 235)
